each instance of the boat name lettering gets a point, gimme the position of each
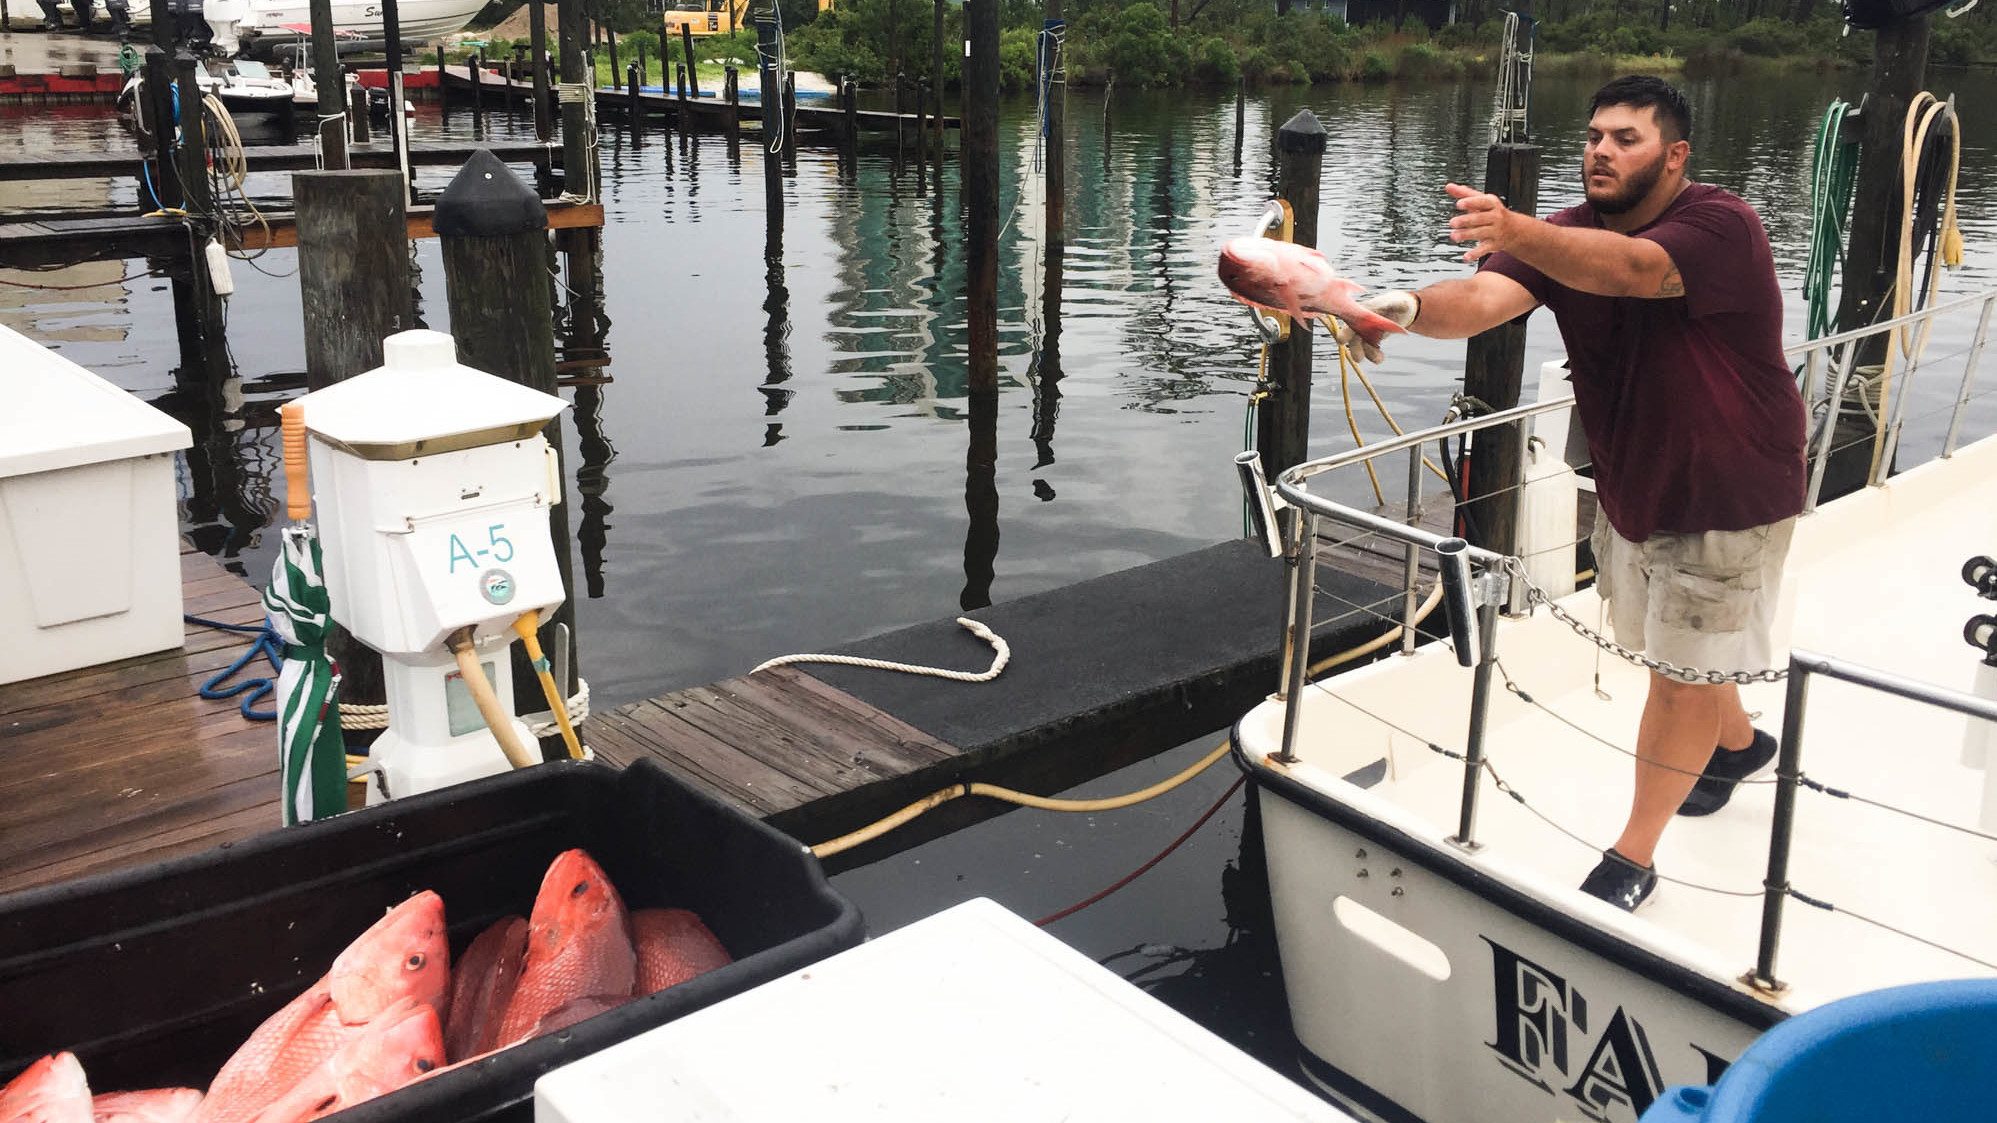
(1542, 1032)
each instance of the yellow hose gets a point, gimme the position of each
(938, 798)
(529, 629)
(496, 717)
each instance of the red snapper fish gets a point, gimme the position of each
(404, 956)
(153, 1105)
(399, 1046)
(482, 985)
(1286, 277)
(578, 945)
(673, 946)
(52, 1090)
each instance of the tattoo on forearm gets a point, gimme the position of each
(1672, 284)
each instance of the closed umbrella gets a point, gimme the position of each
(311, 753)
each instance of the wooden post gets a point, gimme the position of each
(1899, 71)
(686, 48)
(1109, 113)
(1240, 117)
(1056, 160)
(476, 63)
(357, 116)
(443, 86)
(493, 233)
(353, 268)
(850, 115)
(921, 135)
(900, 110)
(1283, 418)
(790, 114)
(158, 110)
(1494, 371)
(398, 120)
(326, 78)
(686, 124)
(770, 88)
(734, 121)
(936, 81)
(611, 37)
(506, 91)
(642, 73)
(633, 108)
(537, 35)
(353, 275)
(204, 353)
(577, 170)
(981, 191)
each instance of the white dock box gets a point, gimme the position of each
(971, 1016)
(89, 529)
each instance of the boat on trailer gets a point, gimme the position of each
(1428, 817)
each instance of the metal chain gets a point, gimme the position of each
(1538, 596)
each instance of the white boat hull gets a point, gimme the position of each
(419, 20)
(1525, 1024)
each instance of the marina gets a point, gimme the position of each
(889, 513)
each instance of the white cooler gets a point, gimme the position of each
(89, 530)
(972, 1015)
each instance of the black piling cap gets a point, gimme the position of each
(1301, 133)
(486, 200)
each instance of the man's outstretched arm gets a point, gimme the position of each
(1602, 262)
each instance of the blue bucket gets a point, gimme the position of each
(1920, 1052)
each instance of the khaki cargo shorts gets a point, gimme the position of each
(1702, 600)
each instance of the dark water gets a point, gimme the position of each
(778, 462)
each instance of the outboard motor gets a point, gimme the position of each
(224, 20)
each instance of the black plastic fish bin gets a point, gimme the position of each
(154, 975)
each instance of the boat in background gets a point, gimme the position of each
(1441, 965)
(253, 26)
(255, 97)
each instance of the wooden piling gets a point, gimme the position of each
(1494, 372)
(679, 71)
(506, 91)
(1055, 162)
(936, 83)
(1282, 418)
(790, 114)
(443, 87)
(476, 64)
(921, 135)
(328, 80)
(981, 190)
(493, 233)
(357, 116)
(734, 121)
(611, 38)
(398, 121)
(537, 35)
(1240, 117)
(198, 307)
(849, 105)
(578, 167)
(633, 107)
(686, 48)
(769, 87)
(353, 276)
(642, 73)
(159, 118)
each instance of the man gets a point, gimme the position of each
(1665, 294)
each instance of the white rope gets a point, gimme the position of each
(1508, 117)
(356, 716)
(1001, 656)
(586, 92)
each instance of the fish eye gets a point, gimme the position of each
(416, 962)
(425, 1064)
(581, 888)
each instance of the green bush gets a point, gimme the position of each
(1144, 51)
(1375, 67)
(1420, 60)
(1767, 38)
(1018, 58)
(1214, 63)
(1256, 64)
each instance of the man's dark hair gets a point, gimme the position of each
(1674, 116)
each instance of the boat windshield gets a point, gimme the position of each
(253, 70)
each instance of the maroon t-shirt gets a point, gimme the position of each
(1692, 416)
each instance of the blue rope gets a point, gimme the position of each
(267, 644)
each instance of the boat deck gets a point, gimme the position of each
(1893, 601)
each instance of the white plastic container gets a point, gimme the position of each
(971, 1015)
(89, 531)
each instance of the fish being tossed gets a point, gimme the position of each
(1297, 280)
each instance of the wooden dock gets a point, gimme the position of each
(704, 114)
(277, 158)
(125, 762)
(41, 243)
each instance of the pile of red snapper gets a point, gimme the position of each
(391, 1010)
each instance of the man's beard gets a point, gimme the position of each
(1637, 186)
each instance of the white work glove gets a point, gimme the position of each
(1398, 306)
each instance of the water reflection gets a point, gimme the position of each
(981, 500)
(595, 451)
(776, 328)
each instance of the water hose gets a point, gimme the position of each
(1833, 178)
(528, 627)
(496, 717)
(938, 798)
(1923, 115)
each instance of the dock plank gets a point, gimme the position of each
(272, 158)
(110, 765)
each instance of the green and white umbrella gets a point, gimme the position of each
(311, 754)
